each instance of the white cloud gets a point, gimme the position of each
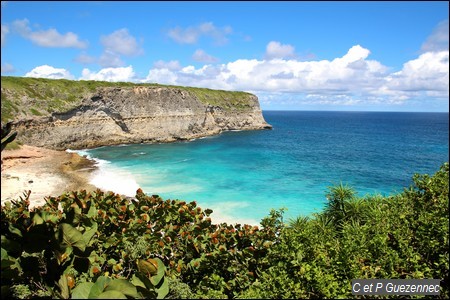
(201, 56)
(277, 50)
(125, 74)
(7, 68)
(110, 59)
(46, 71)
(5, 31)
(343, 74)
(428, 74)
(349, 80)
(115, 45)
(191, 35)
(85, 59)
(438, 40)
(173, 65)
(48, 38)
(121, 42)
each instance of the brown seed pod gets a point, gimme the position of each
(70, 281)
(149, 266)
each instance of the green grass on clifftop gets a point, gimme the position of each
(27, 97)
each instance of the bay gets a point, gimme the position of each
(242, 175)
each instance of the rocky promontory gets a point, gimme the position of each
(88, 114)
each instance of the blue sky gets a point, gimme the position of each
(375, 56)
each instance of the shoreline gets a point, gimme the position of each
(47, 172)
(44, 172)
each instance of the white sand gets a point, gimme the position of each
(45, 172)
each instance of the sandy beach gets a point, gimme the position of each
(44, 172)
(48, 172)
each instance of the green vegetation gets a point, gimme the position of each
(27, 97)
(101, 244)
(225, 99)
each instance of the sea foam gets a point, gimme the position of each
(110, 178)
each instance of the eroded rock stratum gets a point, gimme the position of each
(112, 115)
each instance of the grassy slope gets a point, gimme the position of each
(45, 96)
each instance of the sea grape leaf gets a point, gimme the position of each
(37, 219)
(111, 295)
(88, 234)
(156, 280)
(99, 286)
(71, 236)
(124, 286)
(62, 283)
(163, 290)
(82, 290)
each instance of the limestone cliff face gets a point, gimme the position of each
(139, 114)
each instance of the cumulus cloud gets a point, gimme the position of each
(115, 45)
(121, 42)
(85, 59)
(173, 65)
(110, 59)
(277, 50)
(342, 74)
(5, 31)
(125, 74)
(438, 40)
(192, 34)
(201, 56)
(46, 71)
(48, 38)
(428, 74)
(349, 80)
(7, 68)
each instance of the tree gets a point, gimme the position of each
(337, 197)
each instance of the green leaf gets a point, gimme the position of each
(92, 211)
(82, 290)
(163, 290)
(156, 280)
(4, 254)
(6, 260)
(145, 280)
(37, 220)
(146, 294)
(137, 282)
(111, 295)
(71, 236)
(49, 217)
(88, 234)
(14, 230)
(124, 286)
(62, 283)
(9, 245)
(99, 286)
(66, 254)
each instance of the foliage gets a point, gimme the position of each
(398, 237)
(69, 247)
(101, 244)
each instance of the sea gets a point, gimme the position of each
(242, 175)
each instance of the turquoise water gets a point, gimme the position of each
(242, 175)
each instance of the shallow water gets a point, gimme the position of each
(241, 175)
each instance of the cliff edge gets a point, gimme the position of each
(62, 114)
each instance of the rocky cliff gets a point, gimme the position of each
(118, 114)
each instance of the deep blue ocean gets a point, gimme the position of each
(242, 175)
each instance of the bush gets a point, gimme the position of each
(101, 244)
